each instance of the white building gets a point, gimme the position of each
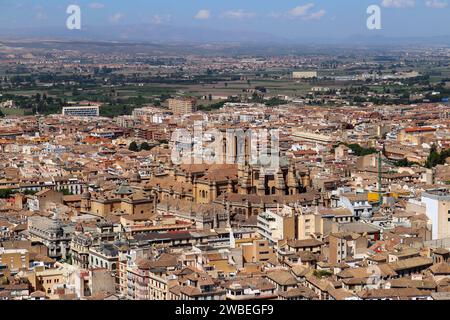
(277, 224)
(437, 205)
(81, 111)
(358, 204)
(304, 74)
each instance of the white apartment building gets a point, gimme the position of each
(437, 203)
(277, 224)
(81, 111)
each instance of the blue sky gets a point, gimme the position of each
(288, 18)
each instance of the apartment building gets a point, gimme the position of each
(258, 250)
(346, 244)
(277, 224)
(181, 106)
(81, 111)
(14, 259)
(437, 204)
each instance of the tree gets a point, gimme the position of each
(145, 146)
(133, 147)
(436, 158)
(6, 193)
(360, 151)
(404, 163)
(66, 192)
(433, 157)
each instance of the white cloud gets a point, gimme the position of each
(316, 15)
(398, 3)
(301, 11)
(96, 5)
(160, 19)
(238, 14)
(436, 4)
(116, 17)
(203, 15)
(304, 12)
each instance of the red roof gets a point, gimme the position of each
(304, 153)
(419, 129)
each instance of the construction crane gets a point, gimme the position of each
(380, 167)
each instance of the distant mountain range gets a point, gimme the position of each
(142, 33)
(158, 33)
(166, 40)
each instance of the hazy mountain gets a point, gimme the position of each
(165, 39)
(143, 32)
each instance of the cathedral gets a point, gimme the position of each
(285, 180)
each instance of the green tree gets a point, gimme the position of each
(133, 147)
(433, 158)
(6, 193)
(145, 146)
(404, 163)
(66, 192)
(360, 151)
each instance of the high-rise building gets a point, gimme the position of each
(81, 111)
(277, 224)
(437, 204)
(182, 105)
